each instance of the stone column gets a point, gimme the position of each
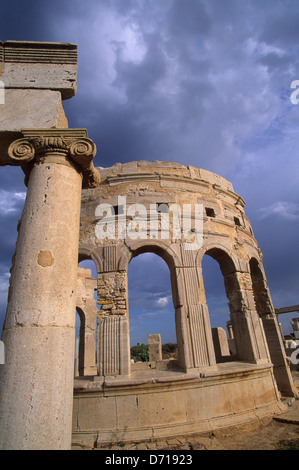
(154, 347)
(248, 333)
(113, 336)
(113, 348)
(36, 382)
(194, 335)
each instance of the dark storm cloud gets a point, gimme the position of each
(203, 82)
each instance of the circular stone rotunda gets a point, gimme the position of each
(180, 213)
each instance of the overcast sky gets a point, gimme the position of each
(200, 82)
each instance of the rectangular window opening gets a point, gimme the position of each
(210, 212)
(162, 207)
(118, 210)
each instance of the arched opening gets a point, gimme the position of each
(86, 318)
(218, 270)
(80, 342)
(151, 308)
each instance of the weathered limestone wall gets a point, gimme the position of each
(114, 409)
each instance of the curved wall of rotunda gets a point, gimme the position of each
(180, 213)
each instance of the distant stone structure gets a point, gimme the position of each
(221, 346)
(179, 212)
(154, 348)
(295, 325)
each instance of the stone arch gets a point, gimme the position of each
(87, 252)
(247, 331)
(171, 258)
(228, 266)
(151, 273)
(228, 263)
(81, 348)
(160, 248)
(220, 252)
(87, 310)
(216, 267)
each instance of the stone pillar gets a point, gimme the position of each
(220, 344)
(248, 333)
(113, 334)
(36, 382)
(113, 348)
(295, 326)
(154, 348)
(281, 368)
(194, 335)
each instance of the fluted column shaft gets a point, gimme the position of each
(36, 383)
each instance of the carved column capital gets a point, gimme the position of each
(65, 146)
(21, 151)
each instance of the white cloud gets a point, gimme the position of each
(162, 301)
(4, 284)
(283, 209)
(10, 202)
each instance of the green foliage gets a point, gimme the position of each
(169, 348)
(140, 353)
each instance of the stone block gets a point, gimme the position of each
(31, 109)
(39, 65)
(154, 348)
(220, 344)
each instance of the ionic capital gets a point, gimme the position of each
(65, 146)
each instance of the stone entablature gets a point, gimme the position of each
(168, 183)
(34, 79)
(35, 65)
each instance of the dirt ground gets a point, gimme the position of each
(272, 436)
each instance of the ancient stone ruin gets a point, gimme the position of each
(181, 213)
